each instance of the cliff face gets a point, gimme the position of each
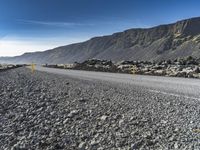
(171, 41)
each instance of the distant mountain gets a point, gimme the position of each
(170, 41)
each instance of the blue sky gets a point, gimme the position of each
(37, 25)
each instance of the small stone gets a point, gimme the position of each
(104, 117)
(176, 145)
(150, 142)
(93, 142)
(121, 122)
(163, 121)
(65, 121)
(73, 113)
(82, 145)
(176, 130)
(83, 100)
(52, 113)
(133, 118)
(137, 145)
(172, 138)
(147, 135)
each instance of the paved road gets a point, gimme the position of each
(180, 87)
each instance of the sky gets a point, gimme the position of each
(38, 25)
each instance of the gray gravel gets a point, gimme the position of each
(48, 111)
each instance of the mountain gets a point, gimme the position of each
(169, 41)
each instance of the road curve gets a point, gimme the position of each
(181, 87)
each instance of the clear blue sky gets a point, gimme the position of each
(34, 25)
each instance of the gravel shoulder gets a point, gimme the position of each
(48, 111)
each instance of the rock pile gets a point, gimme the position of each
(186, 67)
(96, 65)
(4, 67)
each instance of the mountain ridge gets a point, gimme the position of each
(168, 41)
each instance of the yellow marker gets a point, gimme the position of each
(133, 69)
(32, 67)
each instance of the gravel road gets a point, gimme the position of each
(49, 111)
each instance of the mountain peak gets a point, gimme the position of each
(188, 26)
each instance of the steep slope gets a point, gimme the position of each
(162, 42)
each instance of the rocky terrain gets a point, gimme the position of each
(180, 39)
(188, 67)
(4, 67)
(47, 111)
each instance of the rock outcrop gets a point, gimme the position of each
(188, 67)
